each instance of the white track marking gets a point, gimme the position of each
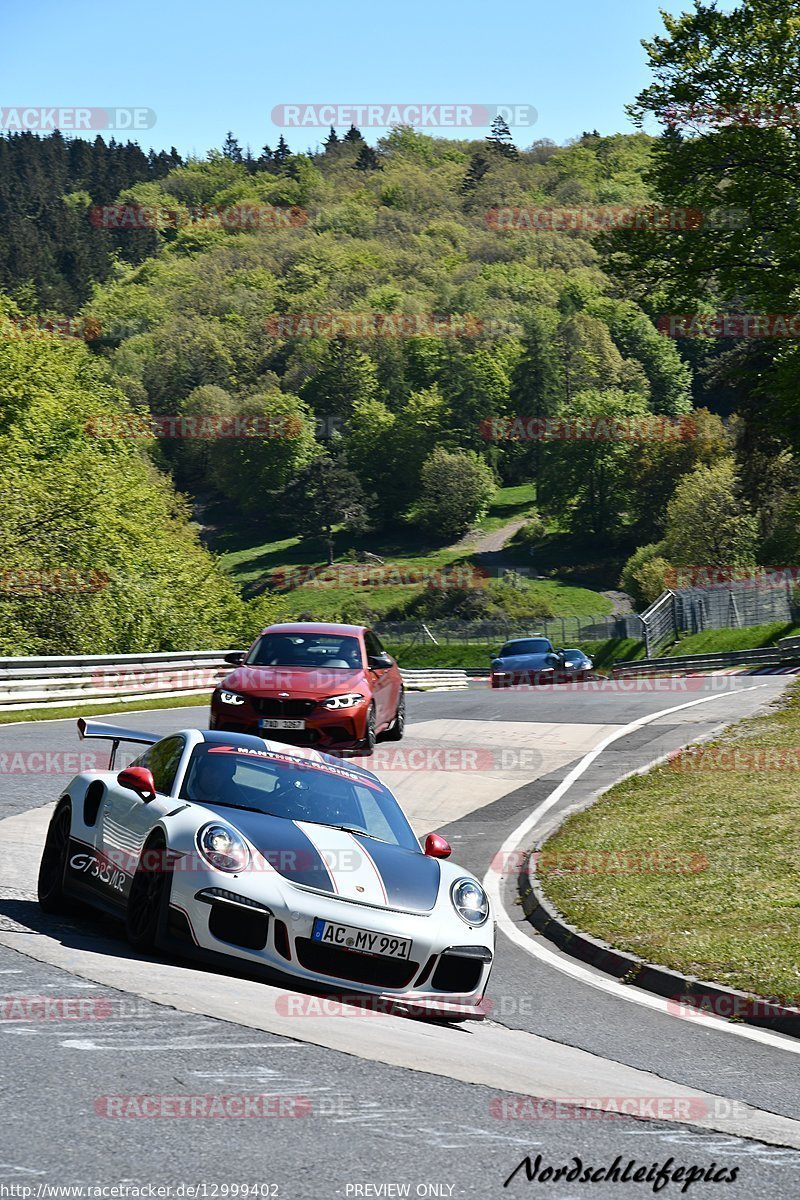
(493, 884)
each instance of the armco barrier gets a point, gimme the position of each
(770, 657)
(62, 681)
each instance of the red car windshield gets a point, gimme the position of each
(329, 650)
(283, 785)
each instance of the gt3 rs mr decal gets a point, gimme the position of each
(89, 868)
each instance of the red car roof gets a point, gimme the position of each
(315, 627)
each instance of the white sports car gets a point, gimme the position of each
(287, 860)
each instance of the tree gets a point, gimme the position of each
(367, 159)
(331, 141)
(344, 377)
(589, 468)
(645, 574)
(231, 148)
(500, 140)
(353, 135)
(455, 490)
(478, 166)
(708, 521)
(282, 152)
(726, 88)
(324, 495)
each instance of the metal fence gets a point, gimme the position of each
(691, 610)
(562, 631)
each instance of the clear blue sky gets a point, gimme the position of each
(208, 67)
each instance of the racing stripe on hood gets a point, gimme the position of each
(284, 845)
(410, 878)
(350, 866)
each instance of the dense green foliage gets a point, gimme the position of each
(98, 551)
(726, 89)
(391, 337)
(50, 251)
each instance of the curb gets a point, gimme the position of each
(688, 992)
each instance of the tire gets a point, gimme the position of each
(148, 898)
(370, 737)
(50, 885)
(397, 728)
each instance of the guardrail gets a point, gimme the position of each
(61, 681)
(770, 657)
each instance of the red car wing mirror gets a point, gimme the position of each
(139, 780)
(437, 847)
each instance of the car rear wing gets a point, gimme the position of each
(115, 735)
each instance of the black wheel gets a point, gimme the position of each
(370, 737)
(50, 887)
(397, 728)
(148, 897)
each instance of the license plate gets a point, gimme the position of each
(346, 937)
(281, 723)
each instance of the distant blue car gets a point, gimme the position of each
(535, 661)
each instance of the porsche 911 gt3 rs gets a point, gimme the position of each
(293, 863)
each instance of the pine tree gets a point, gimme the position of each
(331, 141)
(500, 139)
(478, 166)
(367, 159)
(353, 135)
(282, 151)
(231, 148)
(265, 159)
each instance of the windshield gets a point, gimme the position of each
(284, 785)
(526, 646)
(335, 650)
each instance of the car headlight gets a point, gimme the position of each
(222, 848)
(470, 901)
(348, 701)
(231, 698)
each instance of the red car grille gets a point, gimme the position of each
(270, 706)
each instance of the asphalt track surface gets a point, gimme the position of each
(383, 1104)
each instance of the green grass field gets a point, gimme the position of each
(412, 563)
(711, 641)
(722, 898)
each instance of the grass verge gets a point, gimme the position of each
(712, 641)
(94, 709)
(721, 899)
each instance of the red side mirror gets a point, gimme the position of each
(437, 847)
(139, 780)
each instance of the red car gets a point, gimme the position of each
(333, 687)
